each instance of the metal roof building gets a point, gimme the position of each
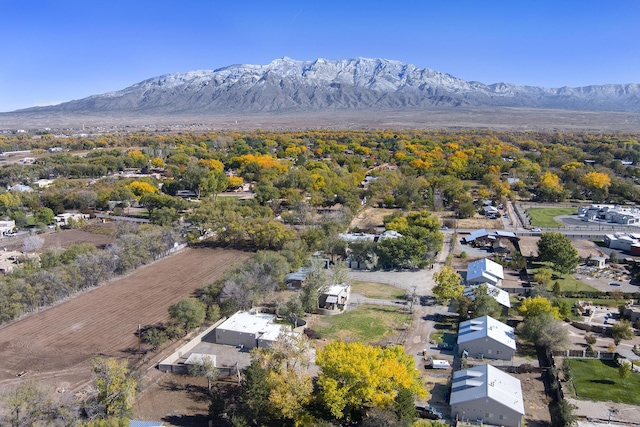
(486, 337)
(484, 271)
(485, 394)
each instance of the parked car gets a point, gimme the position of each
(614, 284)
(444, 227)
(445, 346)
(536, 229)
(428, 412)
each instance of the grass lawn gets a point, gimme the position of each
(446, 331)
(599, 380)
(377, 290)
(367, 323)
(543, 217)
(596, 301)
(567, 282)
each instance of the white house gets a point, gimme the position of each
(335, 298)
(485, 394)
(7, 226)
(63, 219)
(484, 271)
(249, 330)
(486, 337)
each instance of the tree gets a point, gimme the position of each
(254, 393)
(543, 276)
(544, 331)
(189, 311)
(448, 284)
(405, 408)
(32, 243)
(483, 302)
(30, 404)
(43, 216)
(624, 370)
(204, 367)
(622, 330)
(562, 414)
(116, 388)
(535, 306)
(557, 249)
(355, 374)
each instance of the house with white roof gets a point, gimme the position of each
(486, 337)
(334, 299)
(486, 395)
(484, 271)
(249, 329)
(500, 295)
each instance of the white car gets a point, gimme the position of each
(536, 229)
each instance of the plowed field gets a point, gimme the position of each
(57, 344)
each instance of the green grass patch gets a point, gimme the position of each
(367, 323)
(446, 330)
(567, 282)
(599, 380)
(377, 290)
(596, 301)
(543, 217)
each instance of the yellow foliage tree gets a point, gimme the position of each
(212, 164)
(596, 180)
(116, 387)
(535, 306)
(157, 162)
(551, 181)
(140, 188)
(235, 181)
(357, 374)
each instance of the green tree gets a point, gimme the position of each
(405, 407)
(557, 249)
(254, 393)
(624, 370)
(448, 284)
(43, 216)
(189, 311)
(116, 388)
(622, 330)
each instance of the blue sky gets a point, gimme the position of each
(59, 50)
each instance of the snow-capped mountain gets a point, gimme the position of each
(287, 85)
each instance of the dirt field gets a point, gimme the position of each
(61, 239)
(56, 345)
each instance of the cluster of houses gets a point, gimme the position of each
(610, 213)
(628, 242)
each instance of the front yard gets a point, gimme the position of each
(368, 323)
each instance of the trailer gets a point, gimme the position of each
(440, 364)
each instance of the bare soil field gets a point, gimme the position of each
(62, 239)
(57, 344)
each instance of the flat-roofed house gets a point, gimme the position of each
(249, 330)
(486, 337)
(485, 394)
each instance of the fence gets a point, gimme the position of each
(170, 364)
(584, 354)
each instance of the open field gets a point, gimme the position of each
(57, 344)
(368, 323)
(377, 290)
(61, 239)
(544, 217)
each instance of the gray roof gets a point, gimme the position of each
(487, 382)
(486, 327)
(484, 269)
(500, 295)
(139, 423)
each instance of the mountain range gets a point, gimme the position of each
(286, 85)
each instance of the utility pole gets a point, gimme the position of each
(139, 340)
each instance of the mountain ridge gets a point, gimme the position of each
(287, 85)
